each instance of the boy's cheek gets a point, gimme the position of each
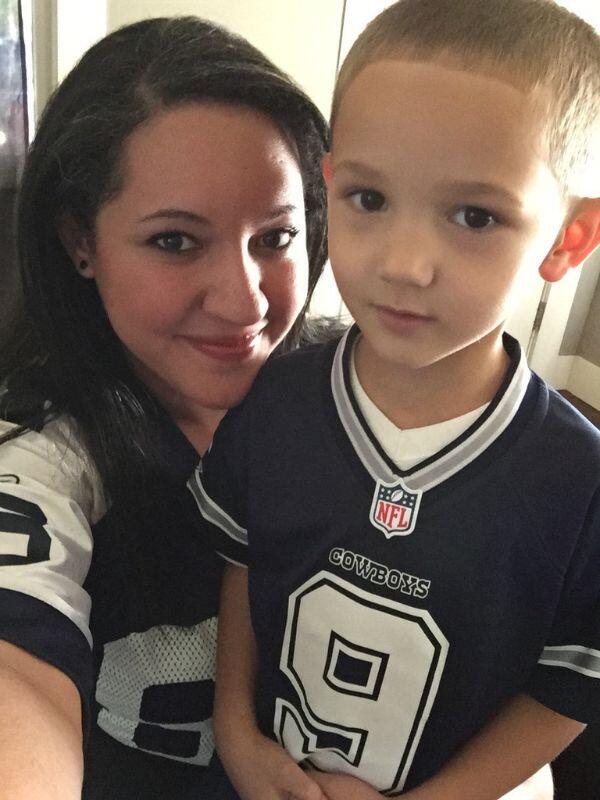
(348, 247)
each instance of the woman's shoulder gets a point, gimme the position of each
(55, 460)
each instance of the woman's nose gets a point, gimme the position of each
(236, 293)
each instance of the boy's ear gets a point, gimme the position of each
(77, 245)
(327, 168)
(577, 240)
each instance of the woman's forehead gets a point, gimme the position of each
(210, 159)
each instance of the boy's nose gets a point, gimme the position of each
(407, 255)
(236, 294)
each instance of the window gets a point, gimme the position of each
(13, 127)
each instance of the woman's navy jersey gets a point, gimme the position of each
(122, 600)
(397, 612)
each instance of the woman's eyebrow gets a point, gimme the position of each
(190, 216)
(280, 211)
(176, 213)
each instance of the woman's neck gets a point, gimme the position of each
(198, 423)
(199, 432)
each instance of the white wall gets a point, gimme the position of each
(590, 279)
(357, 15)
(62, 31)
(78, 26)
(584, 381)
(300, 37)
(43, 57)
(589, 10)
(545, 359)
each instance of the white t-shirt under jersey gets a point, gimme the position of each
(413, 445)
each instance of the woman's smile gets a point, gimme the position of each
(224, 348)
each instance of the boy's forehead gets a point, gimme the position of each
(393, 94)
(457, 125)
(397, 74)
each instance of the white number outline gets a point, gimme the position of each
(304, 716)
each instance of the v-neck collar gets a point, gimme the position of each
(454, 456)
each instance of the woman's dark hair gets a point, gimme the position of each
(58, 348)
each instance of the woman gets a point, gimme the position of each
(171, 230)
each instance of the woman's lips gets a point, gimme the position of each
(402, 321)
(224, 348)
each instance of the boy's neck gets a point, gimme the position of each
(415, 398)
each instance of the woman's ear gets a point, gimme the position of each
(77, 245)
(577, 240)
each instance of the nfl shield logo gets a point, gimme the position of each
(394, 509)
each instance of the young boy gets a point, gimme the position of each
(419, 513)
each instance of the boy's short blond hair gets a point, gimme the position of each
(535, 44)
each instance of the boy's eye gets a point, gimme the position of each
(475, 218)
(173, 242)
(367, 200)
(278, 239)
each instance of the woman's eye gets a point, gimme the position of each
(173, 242)
(475, 218)
(278, 239)
(367, 200)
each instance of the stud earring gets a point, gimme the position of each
(83, 268)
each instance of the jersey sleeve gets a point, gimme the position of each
(219, 486)
(567, 677)
(48, 502)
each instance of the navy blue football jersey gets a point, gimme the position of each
(397, 612)
(123, 600)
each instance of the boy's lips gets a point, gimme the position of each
(224, 348)
(400, 320)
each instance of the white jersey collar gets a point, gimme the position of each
(452, 458)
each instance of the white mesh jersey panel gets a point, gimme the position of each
(153, 687)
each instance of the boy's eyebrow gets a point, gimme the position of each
(483, 188)
(356, 166)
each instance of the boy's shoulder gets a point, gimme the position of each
(291, 371)
(563, 451)
(289, 389)
(579, 436)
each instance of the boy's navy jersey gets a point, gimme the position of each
(397, 612)
(122, 600)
